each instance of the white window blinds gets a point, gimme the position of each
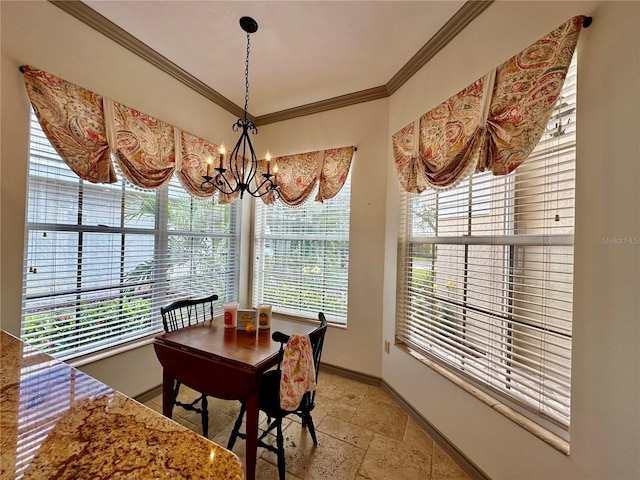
(101, 259)
(301, 257)
(202, 245)
(485, 274)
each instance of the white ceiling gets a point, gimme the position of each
(303, 51)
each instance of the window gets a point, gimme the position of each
(485, 274)
(302, 257)
(203, 240)
(100, 260)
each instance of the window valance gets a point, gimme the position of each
(85, 128)
(299, 174)
(145, 147)
(494, 123)
(72, 118)
(194, 153)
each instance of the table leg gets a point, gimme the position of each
(167, 394)
(251, 443)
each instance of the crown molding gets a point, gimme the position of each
(323, 105)
(93, 19)
(465, 15)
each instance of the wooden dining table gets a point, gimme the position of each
(225, 363)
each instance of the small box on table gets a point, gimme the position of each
(247, 317)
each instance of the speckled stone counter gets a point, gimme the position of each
(56, 422)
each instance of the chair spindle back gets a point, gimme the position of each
(184, 313)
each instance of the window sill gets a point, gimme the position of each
(310, 321)
(110, 352)
(542, 433)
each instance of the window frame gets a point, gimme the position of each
(257, 247)
(155, 287)
(511, 241)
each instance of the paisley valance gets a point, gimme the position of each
(493, 124)
(88, 130)
(145, 148)
(299, 174)
(72, 118)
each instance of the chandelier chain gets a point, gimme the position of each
(246, 77)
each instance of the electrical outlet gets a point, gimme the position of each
(386, 346)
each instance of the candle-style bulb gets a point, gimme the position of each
(275, 168)
(221, 152)
(209, 163)
(268, 159)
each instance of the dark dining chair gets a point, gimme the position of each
(270, 399)
(181, 314)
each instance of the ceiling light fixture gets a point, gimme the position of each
(242, 163)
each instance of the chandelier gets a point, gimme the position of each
(242, 163)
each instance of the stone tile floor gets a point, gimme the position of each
(362, 434)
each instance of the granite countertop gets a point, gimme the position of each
(57, 422)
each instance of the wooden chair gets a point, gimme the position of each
(270, 399)
(181, 314)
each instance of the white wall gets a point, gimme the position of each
(605, 423)
(365, 125)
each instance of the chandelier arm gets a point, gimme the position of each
(235, 158)
(271, 186)
(253, 164)
(217, 183)
(207, 181)
(245, 179)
